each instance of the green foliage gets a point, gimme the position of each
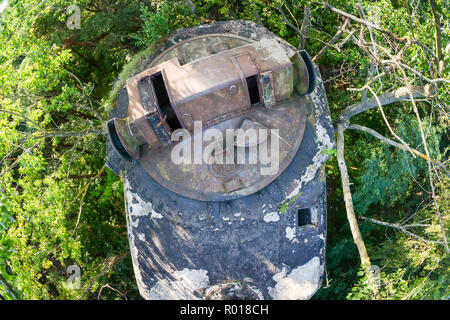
(128, 70)
(52, 146)
(162, 18)
(387, 178)
(430, 283)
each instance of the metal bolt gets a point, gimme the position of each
(233, 89)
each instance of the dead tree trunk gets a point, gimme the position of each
(351, 217)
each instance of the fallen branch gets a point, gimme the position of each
(69, 134)
(84, 192)
(108, 265)
(417, 73)
(344, 41)
(290, 25)
(387, 122)
(78, 176)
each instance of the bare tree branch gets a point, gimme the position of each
(401, 94)
(387, 122)
(109, 287)
(351, 217)
(333, 40)
(376, 27)
(392, 143)
(21, 116)
(425, 145)
(436, 80)
(256, 14)
(437, 37)
(402, 229)
(290, 25)
(306, 23)
(8, 287)
(108, 265)
(69, 134)
(365, 260)
(345, 40)
(430, 171)
(191, 6)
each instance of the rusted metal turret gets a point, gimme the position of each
(220, 136)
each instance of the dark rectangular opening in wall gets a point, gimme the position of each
(304, 217)
(163, 100)
(253, 89)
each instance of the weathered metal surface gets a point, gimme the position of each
(201, 88)
(215, 89)
(251, 247)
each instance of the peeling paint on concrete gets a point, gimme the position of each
(299, 284)
(323, 139)
(183, 286)
(290, 233)
(143, 289)
(215, 292)
(138, 207)
(257, 292)
(156, 215)
(323, 143)
(272, 217)
(140, 236)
